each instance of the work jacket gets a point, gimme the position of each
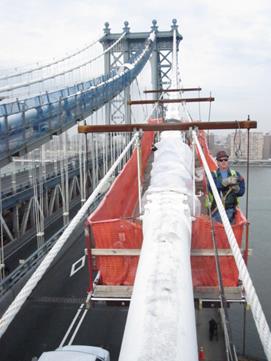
(228, 196)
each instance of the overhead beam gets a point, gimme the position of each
(246, 124)
(172, 90)
(163, 101)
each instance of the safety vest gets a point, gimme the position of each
(209, 199)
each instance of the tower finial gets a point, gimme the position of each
(174, 24)
(126, 28)
(154, 26)
(106, 28)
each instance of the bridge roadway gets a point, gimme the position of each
(46, 316)
(23, 251)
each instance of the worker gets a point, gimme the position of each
(230, 185)
(213, 329)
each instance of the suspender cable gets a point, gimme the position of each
(18, 302)
(246, 253)
(16, 75)
(251, 295)
(53, 76)
(230, 348)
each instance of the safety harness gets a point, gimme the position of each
(209, 200)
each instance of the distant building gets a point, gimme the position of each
(238, 145)
(211, 142)
(267, 146)
(218, 141)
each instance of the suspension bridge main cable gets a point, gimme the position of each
(53, 76)
(48, 65)
(251, 295)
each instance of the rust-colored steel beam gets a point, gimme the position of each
(172, 90)
(162, 101)
(166, 126)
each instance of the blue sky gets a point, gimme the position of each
(226, 47)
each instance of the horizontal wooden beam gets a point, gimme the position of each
(246, 124)
(233, 294)
(136, 252)
(164, 101)
(120, 293)
(115, 252)
(172, 90)
(103, 291)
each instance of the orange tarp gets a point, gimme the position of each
(203, 267)
(113, 226)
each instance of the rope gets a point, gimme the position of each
(40, 80)
(224, 312)
(251, 295)
(18, 302)
(16, 75)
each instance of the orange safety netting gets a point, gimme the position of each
(113, 226)
(112, 223)
(209, 158)
(203, 267)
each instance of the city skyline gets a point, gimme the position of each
(235, 144)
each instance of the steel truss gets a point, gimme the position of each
(118, 111)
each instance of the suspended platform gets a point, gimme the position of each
(114, 238)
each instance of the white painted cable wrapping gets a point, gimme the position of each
(55, 62)
(37, 275)
(161, 319)
(53, 76)
(251, 295)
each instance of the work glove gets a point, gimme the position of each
(229, 181)
(235, 188)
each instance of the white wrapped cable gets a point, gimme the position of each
(251, 295)
(161, 320)
(38, 274)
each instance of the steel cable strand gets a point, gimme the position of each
(16, 75)
(18, 302)
(53, 76)
(134, 68)
(223, 310)
(251, 295)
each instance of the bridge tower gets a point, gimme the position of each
(117, 111)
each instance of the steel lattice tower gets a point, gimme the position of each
(117, 111)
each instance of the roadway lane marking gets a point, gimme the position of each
(71, 325)
(80, 263)
(77, 328)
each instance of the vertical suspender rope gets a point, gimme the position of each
(18, 302)
(246, 255)
(194, 178)
(138, 158)
(230, 349)
(251, 295)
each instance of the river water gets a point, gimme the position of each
(259, 216)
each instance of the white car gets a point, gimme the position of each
(76, 353)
